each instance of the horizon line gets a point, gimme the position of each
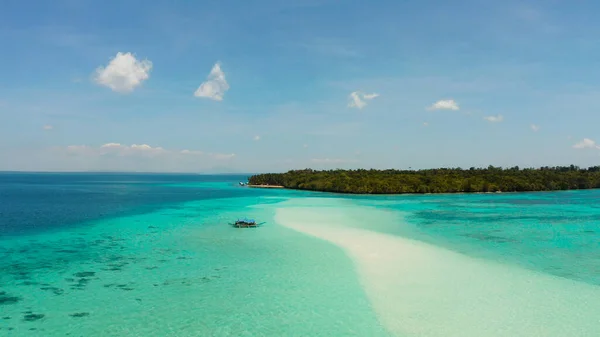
(129, 172)
(294, 169)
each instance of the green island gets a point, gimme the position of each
(442, 180)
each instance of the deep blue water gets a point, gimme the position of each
(34, 202)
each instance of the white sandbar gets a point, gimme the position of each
(422, 290)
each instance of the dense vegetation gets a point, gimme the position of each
(444, 180)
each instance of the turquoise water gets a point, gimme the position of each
(153, 256)
(556, 233)
(420, 289)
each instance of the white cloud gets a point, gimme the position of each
(48, 127)
(370, 96)
(257, 137)
(448, 104)
(494, 119)
(140, 150)
(586, 143)
(358, 99)
(425, 124)
(305, 146)
(125, 150)
(355, 101)
(145, 147)
(535, 128)
(215, 85)
(111, 145)
(123, 73)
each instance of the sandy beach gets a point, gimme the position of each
(421, 290)
(265, 186)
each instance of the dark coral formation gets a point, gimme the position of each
(126, 287)
(95, 259)
(55, 290)
(33, 317)
(81, 284)
(85, 274)
(188, 281)
(6, 299)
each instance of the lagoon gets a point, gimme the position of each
(152, 255)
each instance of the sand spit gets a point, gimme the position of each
(265, 186)
(422, 290)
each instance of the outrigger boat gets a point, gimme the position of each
(244, 223)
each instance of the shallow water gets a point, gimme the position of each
(556, 233)
(181, 272)
(419, 289)
(143, 255)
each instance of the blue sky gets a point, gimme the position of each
(190, 86)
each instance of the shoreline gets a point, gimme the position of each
(266, 186)
(436, 180)
(341, 194)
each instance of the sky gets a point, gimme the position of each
(268, 86)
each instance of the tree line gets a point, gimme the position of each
(442, 180)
